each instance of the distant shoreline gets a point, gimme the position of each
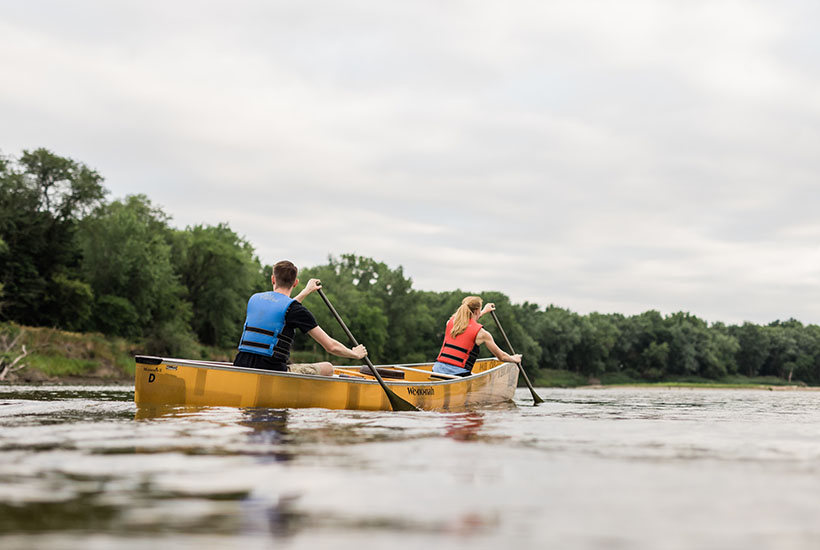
(695, 386)
(84, 381)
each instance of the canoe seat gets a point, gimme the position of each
(385, 373)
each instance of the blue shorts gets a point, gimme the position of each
(444, 368)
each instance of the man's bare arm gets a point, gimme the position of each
(333, 346)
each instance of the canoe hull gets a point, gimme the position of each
(202, 383)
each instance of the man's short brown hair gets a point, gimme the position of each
(285, 273)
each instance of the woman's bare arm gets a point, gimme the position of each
(486, 338)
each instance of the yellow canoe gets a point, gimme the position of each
(161, 381)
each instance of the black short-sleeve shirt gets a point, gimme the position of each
(296, 317)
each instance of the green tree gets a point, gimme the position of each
(220, 272)
(598, 337)
(783, 348)
(527, 321)
(642, 348)
(347, 283)
(127, 262)
(753, 347)
(807, 366)
(42, 197)
(653, 361)
(558, 335)
(685, 330)
(717, 352)
(3, 251)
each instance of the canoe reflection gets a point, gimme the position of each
(269, 432)
(465, 426)
(268, 436)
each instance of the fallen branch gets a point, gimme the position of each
(8, 346)
(6, 369)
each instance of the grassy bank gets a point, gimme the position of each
(58, 356)
(552, 378)
(64, 357)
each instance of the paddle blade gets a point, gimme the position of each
(536, 399)
(400, 404)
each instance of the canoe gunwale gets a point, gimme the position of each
(230, 367)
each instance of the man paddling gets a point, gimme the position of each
(271, 322)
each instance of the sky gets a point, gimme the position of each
(595, 155)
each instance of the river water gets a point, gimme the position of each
(83, 468)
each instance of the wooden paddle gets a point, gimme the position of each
(396, 402)
(535, 398)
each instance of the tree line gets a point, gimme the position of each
(71, 259)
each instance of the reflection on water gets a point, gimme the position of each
(617, 468)
(465, 426)
(269, 431)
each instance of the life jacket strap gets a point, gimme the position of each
(261, 331)
(254, 344)
(459, 348)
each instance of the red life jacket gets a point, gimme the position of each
(462, 350)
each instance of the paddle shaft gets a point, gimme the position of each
(535, 397)
(396, 402)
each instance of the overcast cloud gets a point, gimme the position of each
(601, 156)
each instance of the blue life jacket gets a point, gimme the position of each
(264, 322)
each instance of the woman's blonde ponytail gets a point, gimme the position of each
(461, 318)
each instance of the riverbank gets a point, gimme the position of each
(39, 355)
(42, 355)
(550, 378)
(46, 355)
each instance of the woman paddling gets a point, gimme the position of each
(462, 337)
